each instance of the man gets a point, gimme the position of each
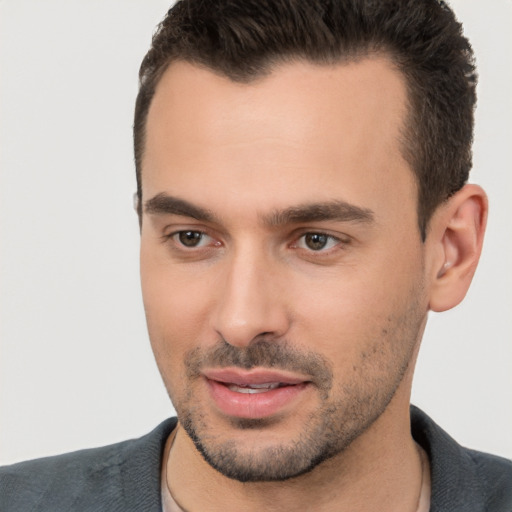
(302, 197)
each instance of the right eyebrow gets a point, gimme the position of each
(164, 204)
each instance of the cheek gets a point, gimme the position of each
(356, 312)
(175, 305)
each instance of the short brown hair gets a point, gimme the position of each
(244, 39)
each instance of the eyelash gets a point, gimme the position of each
(331, 240)
(174, 236)
(336, 243)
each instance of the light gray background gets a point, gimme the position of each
(76, 369)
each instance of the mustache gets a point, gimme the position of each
(263, 353)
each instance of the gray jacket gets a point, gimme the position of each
(125, 477)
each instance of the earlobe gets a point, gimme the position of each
(458, 233)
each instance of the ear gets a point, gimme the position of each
(456, 237)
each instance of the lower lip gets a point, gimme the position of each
(253, 405)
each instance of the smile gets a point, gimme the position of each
(255, 393)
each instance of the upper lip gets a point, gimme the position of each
(255, 376)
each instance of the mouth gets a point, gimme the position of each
(255, 388)
(256, 393)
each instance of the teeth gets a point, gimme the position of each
(266, 385)
(253, 388)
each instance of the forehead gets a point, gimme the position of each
(303, 129)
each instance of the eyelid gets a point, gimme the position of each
(340, 239)
(171, 237)
(177, 227)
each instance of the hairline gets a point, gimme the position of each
(407, 136)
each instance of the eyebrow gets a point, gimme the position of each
(314, 212)
(163, 204)
(337, 210)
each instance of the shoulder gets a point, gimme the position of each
(94, 479)
(63, 477)
(462, 479)
(495, 475)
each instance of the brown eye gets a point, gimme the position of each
(316, 241)
(190, 238)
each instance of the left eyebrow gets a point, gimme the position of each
(340, 211)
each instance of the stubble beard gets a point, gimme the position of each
(346, 410)
(322, 437)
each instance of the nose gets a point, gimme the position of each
(252, 300)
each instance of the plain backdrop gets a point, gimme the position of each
(76, 369)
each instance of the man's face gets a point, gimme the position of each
(282, 267)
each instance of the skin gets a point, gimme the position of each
(302, 135)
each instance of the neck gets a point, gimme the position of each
(381, 470)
